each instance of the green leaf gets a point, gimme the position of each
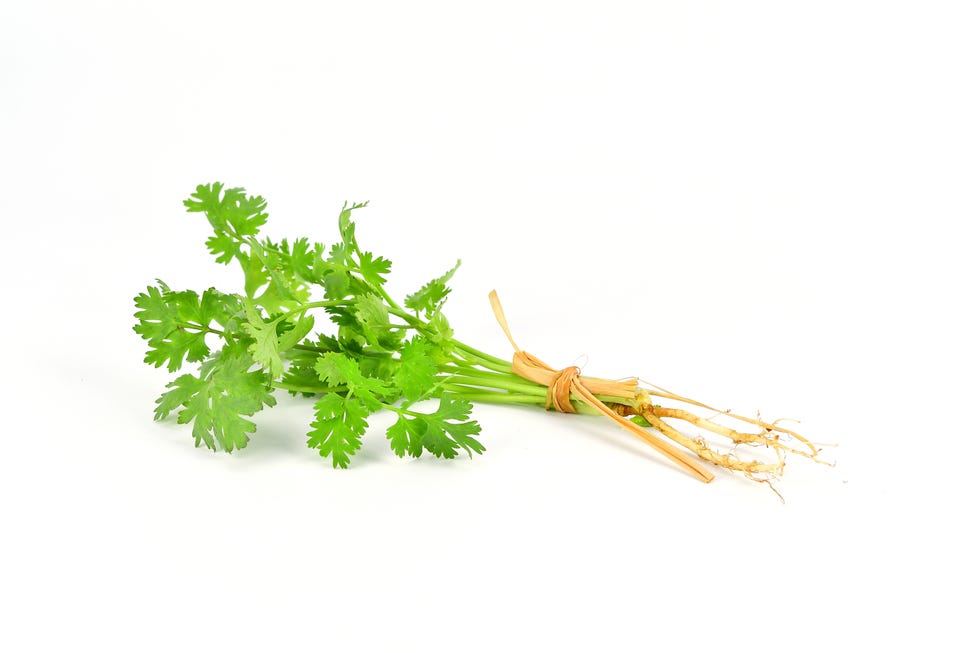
(381, 366)
(157, 316)
(184, 388)
(371, 313)
(302, 362)
(347, 224)
(340, 345)
(339, 254)
(265, 348)
(229, 211)
(372, 317)
(340, 369)
(224, 247)
(343, 252)
(446, 432)
(336, 284)
(233, 215)
(218, 307)
(453, 408)
(296, 332)
(405, 436)
(336, 432)
(462, 433)
(256, 276)
(416, 373)
(373, 269)
(438, 443)
(439, 324)
(430, 297)
(302, 371)
(175, 323)
(302, 259)
(332, 273)
(218, 401)
(337, 369)
(442, 338)
(443, 433)
(273, 338)
(309, 265)
(285, 290)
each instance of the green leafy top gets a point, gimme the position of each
(383, 356)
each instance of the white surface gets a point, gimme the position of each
(767, 206)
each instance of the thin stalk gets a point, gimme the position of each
(472, 359)
(497, 379)
(320, 304)
(469, 370)
(200, 328)
(495, 397)
(325, 350)
(308, 389)
(503, 384)
(473, 351)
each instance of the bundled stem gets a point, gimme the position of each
(626, 398)
(485, 386)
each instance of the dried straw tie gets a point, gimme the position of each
(567, 383)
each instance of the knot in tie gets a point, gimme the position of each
(560, 390)
(562, 384)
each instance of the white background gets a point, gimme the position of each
(768, 205)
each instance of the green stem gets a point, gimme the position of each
(305, 307)
(474, 352)
(464, 367)
(486, 360)
(325, 350)
(308, 389)
(200, 327)
(508, 398)
(495, 397)
(395, 307)
(520, 386)
(470, 359)
(471, 376)
(313, 348)
(415, 322)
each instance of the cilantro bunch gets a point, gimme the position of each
(379, 355)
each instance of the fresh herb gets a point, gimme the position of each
(380, 354)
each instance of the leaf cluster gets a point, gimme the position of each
(378, 355)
